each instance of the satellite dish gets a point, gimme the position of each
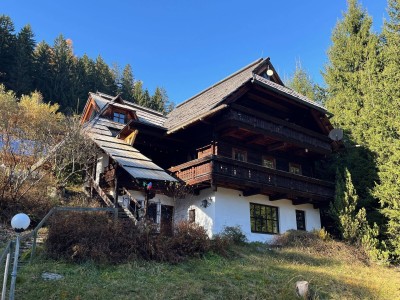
(336, 134)
(270, 72)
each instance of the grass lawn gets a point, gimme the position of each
(253, 272)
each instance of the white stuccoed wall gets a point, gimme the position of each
(204, 216)
(102, 162)
(232, 209)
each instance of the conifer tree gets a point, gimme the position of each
(138, 92)
(127, 82)
(42, 69)
(7, 47)
(352, 222)
(104, 77)
(21, 77)
(159, 100)
(386, 129)
(301, 82)
(353, 46)
(63, 64)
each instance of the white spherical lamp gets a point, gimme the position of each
(20, 222)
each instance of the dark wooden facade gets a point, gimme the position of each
(247, 132)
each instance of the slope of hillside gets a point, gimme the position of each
(253, 271)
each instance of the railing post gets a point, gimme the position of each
(115, 213)
(4, 290)
(33, 245)
(15, 268)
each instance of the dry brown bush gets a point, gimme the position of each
(96, 236)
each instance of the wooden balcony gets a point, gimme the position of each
(254, 179)
(277, 129)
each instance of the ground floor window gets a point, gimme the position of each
(264, 218)
(192, 216)
(301, 219)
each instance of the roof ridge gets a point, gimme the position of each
(221, 81)
(144, 108)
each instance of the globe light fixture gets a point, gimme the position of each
(20, 222)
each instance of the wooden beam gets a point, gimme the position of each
(300, 201)
(277, 197)
(254, 139)
(276, 146)
(251, 192)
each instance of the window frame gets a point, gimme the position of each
(293, 166)
(302, 220)
(266, 222)
(192, 215)
(237, 150)
(117, 117)
(269, 158)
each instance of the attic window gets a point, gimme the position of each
(119, 117)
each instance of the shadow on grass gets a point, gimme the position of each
(249, 275)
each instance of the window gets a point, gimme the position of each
(119, 117)
(268, 162)
(301, 219)
(239, 155)
(192, 216)
(264, 218)
(295, 168)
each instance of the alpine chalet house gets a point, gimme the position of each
(247, 145)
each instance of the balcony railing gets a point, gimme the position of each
(226, 171)
(290, 132)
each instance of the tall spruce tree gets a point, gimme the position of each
(42, 69)
(21, 77)
(63, 64)
(127, 82)
(352, 75)
(159, 100)
(7, 47)
(104, 77)
(353, 46)
(387, 128)
(301, 82)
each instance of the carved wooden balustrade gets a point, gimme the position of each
(280, 130)
(232, 173)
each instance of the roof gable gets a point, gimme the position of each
(210, 97)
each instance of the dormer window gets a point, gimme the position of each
(119, 117)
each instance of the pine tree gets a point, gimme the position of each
(352, 223)
(63, 64)
(353, 46)
(301, 82)
(42, 69)
(159, 100)
(138, 92)
(386, 128)
(21, 77)
(104, 77)
(127, 83)
(7, 47)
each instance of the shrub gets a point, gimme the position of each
(95, 236)
(234, 234)
(89, 236)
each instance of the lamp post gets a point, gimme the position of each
(19, 223)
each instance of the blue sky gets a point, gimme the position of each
(186, 46)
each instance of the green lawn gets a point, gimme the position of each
(254, 272)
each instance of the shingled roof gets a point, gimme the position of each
(208, 100)
(128, 157)
(210, 97)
